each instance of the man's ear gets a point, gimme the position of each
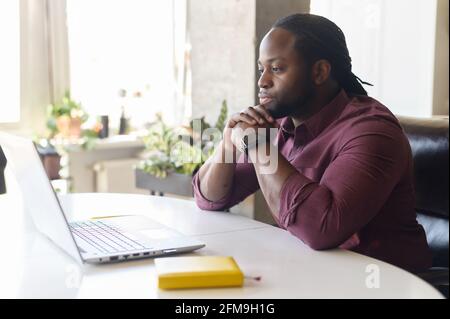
(321, 71)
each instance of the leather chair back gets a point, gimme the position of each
(428, 138)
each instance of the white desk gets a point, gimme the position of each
(33, 267)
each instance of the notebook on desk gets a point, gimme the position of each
(102, 240)
(198, 272)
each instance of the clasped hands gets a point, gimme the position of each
(247, 122)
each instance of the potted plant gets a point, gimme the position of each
(67, 123)
(173, 154)
(64, 119)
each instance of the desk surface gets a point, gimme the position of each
(32, 267)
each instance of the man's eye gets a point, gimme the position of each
(260, 71)
(275, 69)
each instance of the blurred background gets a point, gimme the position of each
(105, 87)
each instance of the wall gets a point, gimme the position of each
(441, 67)
(392, 46)
(222, 57)
(223, 60)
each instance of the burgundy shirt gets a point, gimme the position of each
(354, 185)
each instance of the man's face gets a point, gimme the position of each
(285, 84)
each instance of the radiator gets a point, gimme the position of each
(117, 176)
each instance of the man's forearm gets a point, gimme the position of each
(271, 184)
(216, 175)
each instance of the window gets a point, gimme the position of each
(392, 45)
(118, 46)
(10, 61)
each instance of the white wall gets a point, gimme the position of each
(392, 45)
(407, 56)
(441, 67)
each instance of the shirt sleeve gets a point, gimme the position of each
(245, 183)
(354, 187)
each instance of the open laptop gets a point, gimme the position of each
(88, 241)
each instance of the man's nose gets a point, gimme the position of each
(265, 81)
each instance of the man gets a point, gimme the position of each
(344, 171)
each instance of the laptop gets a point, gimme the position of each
(103, 240)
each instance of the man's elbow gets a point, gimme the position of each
(209, 205)
(321, 244)
(318, 241)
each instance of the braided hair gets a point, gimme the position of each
(319, 38)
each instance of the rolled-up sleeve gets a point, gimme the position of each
(372, 158)
(245, 183)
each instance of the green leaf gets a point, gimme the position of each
(220, 124)
(167, 148)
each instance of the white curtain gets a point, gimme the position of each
(10, 61)
(57, 48)
(182, 66)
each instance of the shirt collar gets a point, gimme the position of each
(316, 123)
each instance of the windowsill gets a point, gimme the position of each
(113, 142)
(10, 126)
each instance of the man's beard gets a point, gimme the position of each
(300, 107)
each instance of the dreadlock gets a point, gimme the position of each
(319, 38)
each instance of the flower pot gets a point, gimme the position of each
(174, 183)
(51, 161)
(52, 166)
(68, 127)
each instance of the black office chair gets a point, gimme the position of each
(429, 143)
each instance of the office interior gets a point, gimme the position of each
(102, 87)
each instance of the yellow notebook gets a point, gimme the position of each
(198, 272)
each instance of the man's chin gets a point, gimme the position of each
(276, 111)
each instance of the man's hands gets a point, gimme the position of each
(217, 174)
(254, 116)
(251, 117)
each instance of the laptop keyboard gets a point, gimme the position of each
(105, 238)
